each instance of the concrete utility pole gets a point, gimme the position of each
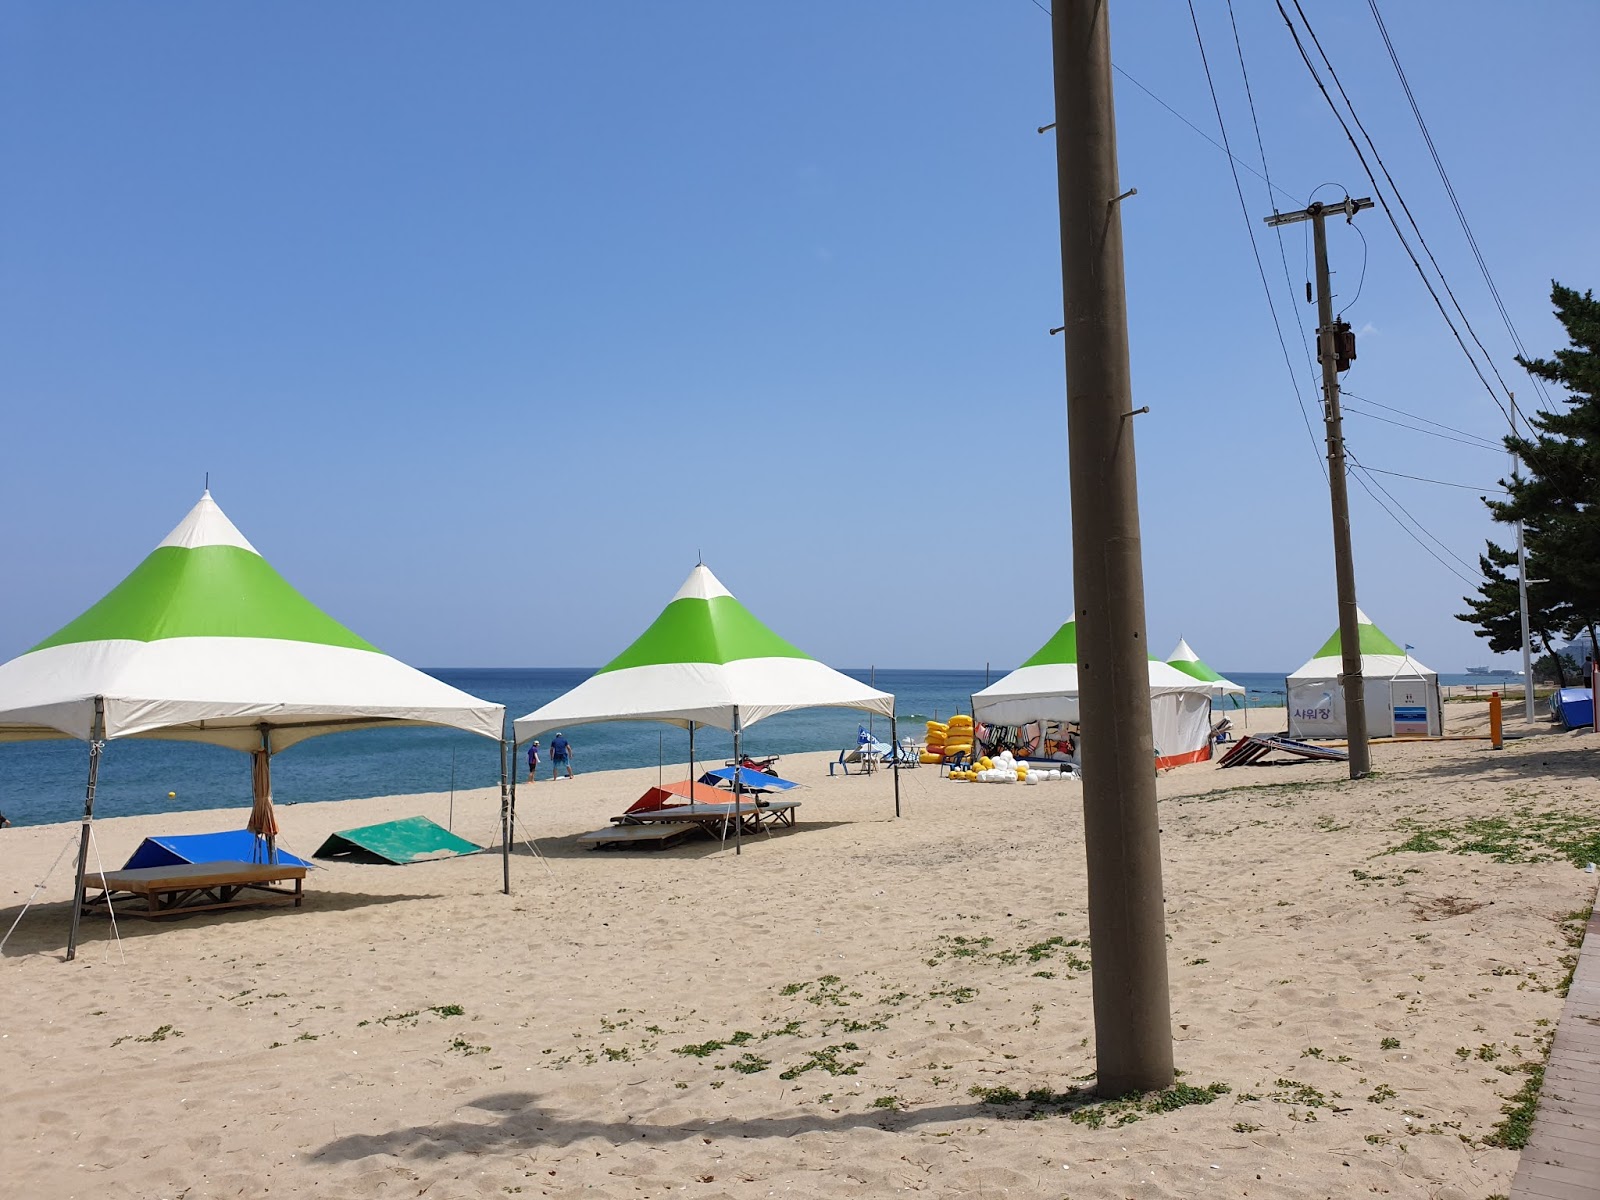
(1522, 590)
(1344, 567)
(1127, 919)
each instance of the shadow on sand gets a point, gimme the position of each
(45, 928)
(523, 1123)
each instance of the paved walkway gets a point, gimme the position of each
(1562, 1158)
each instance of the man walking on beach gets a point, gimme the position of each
(560, 756)
(533, 760)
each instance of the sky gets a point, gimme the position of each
(488, 321)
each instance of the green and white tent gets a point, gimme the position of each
(1401, 695)
(706, 660)
(1045, 690)
(1183, 658)
(205, 642)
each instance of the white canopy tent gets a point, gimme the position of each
(1183, 658)
(1045, 688)
(706, 660)
(1402, 696)
(205, 642)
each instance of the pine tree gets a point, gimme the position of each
(1556, 496)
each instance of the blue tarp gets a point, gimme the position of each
(749, 781)
(235, 845)
(1575, 707)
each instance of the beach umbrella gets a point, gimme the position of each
(204, 641)
(1183, 658)
(706, 660)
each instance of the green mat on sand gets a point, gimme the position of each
(410, 840)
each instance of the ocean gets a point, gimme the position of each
(42, 782)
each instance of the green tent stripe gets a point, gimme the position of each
(1196, 670)
(692, 630)
(1373, 641)
(207, 591)
(1063, 648)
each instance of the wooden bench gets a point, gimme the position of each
(185, 888)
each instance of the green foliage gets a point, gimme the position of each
(1085, 1107)
(1517, 1116)
(1557, 495)
(826, 1059)
(1389, 1043)
(1528, 838)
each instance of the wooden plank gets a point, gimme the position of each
(1562, 1158)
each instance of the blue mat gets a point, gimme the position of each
(236, 845)
(1575, 707)
(749, 781)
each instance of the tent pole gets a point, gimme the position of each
(894, 751)
(266, 766)
(97, 734)
(738, 819)
(505, 819)
(691, 762)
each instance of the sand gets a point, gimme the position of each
(845, 987)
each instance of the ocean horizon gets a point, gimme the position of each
(43, 782)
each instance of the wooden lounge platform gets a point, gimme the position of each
(184, 888)
(1251, 749)
(1562, 1158)
(753, 815)
(655, 836)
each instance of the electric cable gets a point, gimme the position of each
(1450, 191)
(1382, 199)
(1255, 250)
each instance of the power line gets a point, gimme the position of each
(1184, 119)
(1450, 191)
(1266, 174)
(1401, 522)
(1255, 250)
(1442, 483)
(1415, 417)
(1388, 212)
(1476, 445)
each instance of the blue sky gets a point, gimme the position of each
(487, 320)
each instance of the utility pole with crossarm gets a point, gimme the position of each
(1335, 349)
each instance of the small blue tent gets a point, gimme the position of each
(235, 845)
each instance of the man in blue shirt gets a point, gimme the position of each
(560, 756)
(533, 759)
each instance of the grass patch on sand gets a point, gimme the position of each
(1088, 1108)
(1517, 1116)
(1526, 838)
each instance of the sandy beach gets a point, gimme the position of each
(833, 1010)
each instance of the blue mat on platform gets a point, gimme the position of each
(749, 781)
(235, 845)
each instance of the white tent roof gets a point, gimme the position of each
(205, 642)
(1381, 657)
(1184, 659)
(704, 658)
(1045, 688)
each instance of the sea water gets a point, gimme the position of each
(42, 782)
